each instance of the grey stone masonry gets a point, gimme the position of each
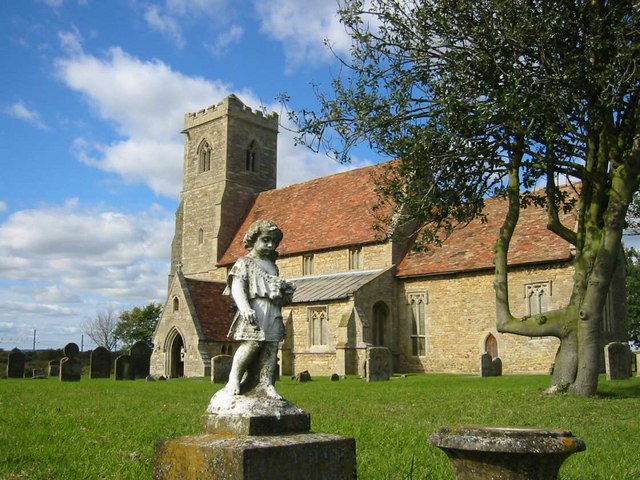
(220, 368)
(379, 364)
(617, 360)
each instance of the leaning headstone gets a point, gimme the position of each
(617, 360)
(124, 368)
(220, 368)
(70, 366)
(379, 364)
(15, 364)
(489, 366)
(141, 358)
(302, 377)
(54, 368)
(100, 363)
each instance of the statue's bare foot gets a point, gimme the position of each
(271, 392)
(233, 387)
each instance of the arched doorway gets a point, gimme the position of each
(176, 355)
(380, 314)
(491, 346)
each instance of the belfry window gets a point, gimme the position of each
(251, 157)
(204, 157)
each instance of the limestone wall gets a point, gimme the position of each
(335, 261)
(461, 314)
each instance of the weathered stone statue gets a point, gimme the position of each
(258, 292)
(250, 431)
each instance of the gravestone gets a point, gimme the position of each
(617, 360)
(70, 366)
(637, 364)
(100, 363)
(141, 359)
(15, 364)
(124, 368)
(379, 365)
(302, 377)
(220, 368)
(38, 373)
(489, 366)
(54, 368)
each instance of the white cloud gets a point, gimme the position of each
(146, 102)
(3, 206)
(21, 111)
(302, 27)
(224, 40)
(71, 42)
(164, 24)
(66, 262)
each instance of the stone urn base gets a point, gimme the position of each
(495, 453)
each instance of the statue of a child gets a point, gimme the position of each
(258, 292)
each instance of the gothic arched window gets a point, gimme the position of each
(204, 157)
(251, 157)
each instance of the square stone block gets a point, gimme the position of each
(309, 456)
(257, 424)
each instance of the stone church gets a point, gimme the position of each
(434, 310)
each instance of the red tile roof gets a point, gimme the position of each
(324, 213)
(471, 247)
(214, 311)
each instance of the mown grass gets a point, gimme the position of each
(102, 429)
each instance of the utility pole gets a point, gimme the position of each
(82, 343)
(34, 339)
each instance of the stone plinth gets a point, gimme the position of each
(254, 437)
(308, 456)
(253, 415)
(482, 453)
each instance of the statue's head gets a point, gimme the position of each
(262, 227)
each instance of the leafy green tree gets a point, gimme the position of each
(499, 98)
(138, 324)
(633, 294)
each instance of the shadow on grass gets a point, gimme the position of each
(619, 389)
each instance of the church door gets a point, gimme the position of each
(176, 360)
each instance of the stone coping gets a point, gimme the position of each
(507, 440)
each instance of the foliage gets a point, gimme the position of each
(101, 428)
(633, 294)
(500, 97)
(102, 329)
(139, 324)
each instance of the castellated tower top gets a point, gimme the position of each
(230, 105)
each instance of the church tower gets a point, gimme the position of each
(229, 157)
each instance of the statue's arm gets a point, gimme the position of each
(239, 294)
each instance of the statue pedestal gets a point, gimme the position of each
(480, 453)
(251, 437)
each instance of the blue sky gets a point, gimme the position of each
(92, 100)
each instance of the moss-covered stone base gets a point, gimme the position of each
(310, 456)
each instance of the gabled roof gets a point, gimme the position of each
(214, 311)
(325, 213)
(470, 248)
(331, 287)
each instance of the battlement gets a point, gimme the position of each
(233, 106)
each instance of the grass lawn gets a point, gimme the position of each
(102, 429)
